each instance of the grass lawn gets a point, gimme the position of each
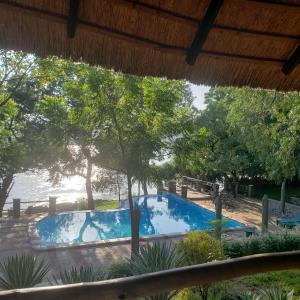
(106, 204)
(99, 204)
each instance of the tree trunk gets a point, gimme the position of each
(133, 222)
(144, 183)
(4, 190)
(282, 196)
(118, 187)
(88, 185)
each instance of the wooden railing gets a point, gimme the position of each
(16, 206)
(159, 282)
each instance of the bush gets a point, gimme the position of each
(22, 271)
(119, 269)
(153, 258)
(270, 243)
(77, 275)
(199, 248)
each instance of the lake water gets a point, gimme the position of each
(36, 186)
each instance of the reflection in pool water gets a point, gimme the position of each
(160, 214)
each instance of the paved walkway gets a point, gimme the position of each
(14, 236)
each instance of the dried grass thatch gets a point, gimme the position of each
(248, 44)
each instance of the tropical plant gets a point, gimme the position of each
(199, 248)
(153, 258)
(274, 293)
(22, 271)
(81, 274)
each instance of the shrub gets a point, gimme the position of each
(153, 258)
(270, 243)
(199, 248)
(77, 275)
(120, 269)
(267, 294)
(22, 271)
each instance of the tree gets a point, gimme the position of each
(212, 147)
(143, 114)
(72, 123)
(17, 103)
(269, 125)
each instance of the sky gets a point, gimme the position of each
(198, 92)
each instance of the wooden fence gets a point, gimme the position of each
(154, 283)
(16, 206)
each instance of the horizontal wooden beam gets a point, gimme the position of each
(203, 30)
(159, 282)
(277, 3)
(292, 62)
(72, 17)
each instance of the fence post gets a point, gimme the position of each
(52, 205)
(265, 214)
(184, 189)
(215, 188)
(250, 190)
(218, 224)
(16, 208)
(282, 197)
(172, 186)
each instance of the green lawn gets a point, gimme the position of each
(99, 204)
(106, 204)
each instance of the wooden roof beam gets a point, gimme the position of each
(292, 62)
(203, 30)
(72, 18)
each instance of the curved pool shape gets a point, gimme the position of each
(160, 214)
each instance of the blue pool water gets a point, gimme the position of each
(160, 214)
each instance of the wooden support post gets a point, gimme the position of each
(135, 236)
(16, 208)
(282, 196)
(52, 205)
(184, 190)
(265, 214)
(250, 190)
(172, 186)
(218, 224)
(215, 190)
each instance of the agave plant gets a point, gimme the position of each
(22, 271)
(276, 294)
(268, 294)
(153, 258)
(81, 274)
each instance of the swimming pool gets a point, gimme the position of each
(160, 214)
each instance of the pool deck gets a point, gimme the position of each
(14, 237)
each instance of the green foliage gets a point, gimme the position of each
(22, 271)
(268, 294)
(199, 248)
(281, 242)
(153, 258)
(81, 274)
(120, 269)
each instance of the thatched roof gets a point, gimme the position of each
(230, 42)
